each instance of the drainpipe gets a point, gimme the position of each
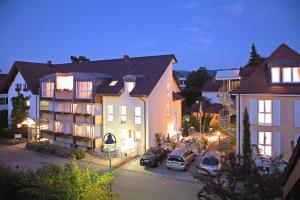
(239, 148)
(145, 135)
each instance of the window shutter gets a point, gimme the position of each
(253, 111)
(297, 113)
(253, 137)
(276, 143)
(276, 113)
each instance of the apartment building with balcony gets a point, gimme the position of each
(272, 97)
(132, 97)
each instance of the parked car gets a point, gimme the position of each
(179, 159)
(153, 157)
(211, 163)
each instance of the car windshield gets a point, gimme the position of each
(210, 161)
(175, 158)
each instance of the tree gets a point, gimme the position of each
(255, 59)
(75, 59)
(3, 119)
(247, 152)
(194, 82)
(19, 114)
(185, 127)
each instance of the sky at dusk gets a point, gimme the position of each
(214, 33)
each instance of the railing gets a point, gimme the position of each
(64, 94)
(84, 119)
(64, 117)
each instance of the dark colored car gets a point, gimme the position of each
(153, 157)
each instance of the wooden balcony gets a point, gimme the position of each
(63, 117)
(64, 94)
(84, 119)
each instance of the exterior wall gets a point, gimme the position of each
(116, 126)
(213, 96)
(4, 105)
(33, 111)
(157, 119)
(287, 127)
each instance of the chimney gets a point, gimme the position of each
(49, 62)
(125, 56)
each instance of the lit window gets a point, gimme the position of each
(84, 90)
(27, 103)
(130, 86)
(137, 135)
(79, 130)
(113, 83)
(58, 127)
(110, 113)
(64, 82)
(123, 114)
(287, 74)
(265, 112)
(47, 89)
(138, 115)
(296, 74)
(90, 109)
(265, 143)
(89, 131)
(275, 74)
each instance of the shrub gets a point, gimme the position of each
(79, 154)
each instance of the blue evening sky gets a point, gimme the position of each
(210, 33)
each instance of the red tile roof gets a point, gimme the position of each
(259, 81)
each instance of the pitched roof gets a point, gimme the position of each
(259, 80)
(150, 68)
(211, 86)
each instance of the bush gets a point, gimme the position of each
(79, 154)
(49, 148)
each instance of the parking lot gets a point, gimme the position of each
(162, 170)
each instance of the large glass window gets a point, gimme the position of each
(47, 89)
(275, 74)
(138, 115)
(265, 112)
(123, 114)
(265, 143)
(110, 113)
(296, 74)
(64, 82)
(287, 74)
(84, 90)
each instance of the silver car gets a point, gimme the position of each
(211, 163)
(179, 159)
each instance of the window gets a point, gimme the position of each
(58, 127)
(123, 114)
(113, 83)
(286, 74)
(137, 135)
(275, 74)
(84, 90)
(130, 86)
(265, 143)
(47, 89)
(296, 74)
(110, 113)
(18, 86)
(138, 115)
(89, 131)
(90, 109)
(25, 88)
(3, 101)
(64, 82)
(265, 112)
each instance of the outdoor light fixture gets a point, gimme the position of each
(111, 141)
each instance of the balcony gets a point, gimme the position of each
(64, 94)
(64, 117)
(48, 115)
(83, 119)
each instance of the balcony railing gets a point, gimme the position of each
(48, 115)
(64, 94)
(64, 117)
(83, 118)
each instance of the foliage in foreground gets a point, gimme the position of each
(235, 182)
(52, 182)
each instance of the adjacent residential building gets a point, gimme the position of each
(3, 95)
(133, 98)
(272, 96)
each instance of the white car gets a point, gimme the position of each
(179, 159)
(211, 163)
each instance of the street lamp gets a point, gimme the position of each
(111, 141)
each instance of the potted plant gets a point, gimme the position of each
(158, 139)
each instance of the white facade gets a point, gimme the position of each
(33, 111)
(212, 96)
(163, 115)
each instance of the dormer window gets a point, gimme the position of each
(113, 83)
(64, 82)
(287, 75)
(275, 74)
(130, 86)
(129, 82)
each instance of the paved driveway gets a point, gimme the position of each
(164, 171)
